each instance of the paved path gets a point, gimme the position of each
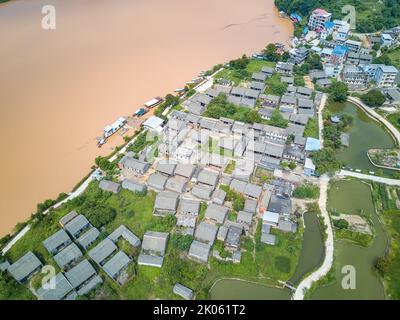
(16, 238)
(329, 245)
(320, 119)
(392, 182)
(392, 129)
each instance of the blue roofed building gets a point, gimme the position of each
(339, 54)
(312, 144)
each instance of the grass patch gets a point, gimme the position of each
(311, 129)
(230, 167)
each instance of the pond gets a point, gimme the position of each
(365, 133)
(310, 258)
(353, 197)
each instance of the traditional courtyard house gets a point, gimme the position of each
(202, 99)
(157, 181)
(284, 68)
(88, 238)
(153, 248)
(102, 251)
(189, 207)
(25, 267)
(68, 256)
(129, 163)
(57, 242)
(216, 213)
(166, 203)
(83, 277)
(206, 232)
(253, 191)
(259, 77)
(67, 218)
(133, 186)
(62, 290)
(271, 218)
(109, 186)
(280, 205)
(287, 80)
(258, 86)
(123, 232)
(219, 196)
(203, 192)
(199, 251)
(295, 129)
(324, 83)
(288, 104)
(116, 265)
(245, 219)
(250, 206)
(166, 168)
(305, 107)
(267, 70)
(271, 101)
(177, 184)
(304, 93)
(208, 177)
(179, 115)
(194, 107)
(299, 119)
(232, 241)
(77, 226)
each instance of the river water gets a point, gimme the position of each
(59, 88)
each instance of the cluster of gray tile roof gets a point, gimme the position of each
(62, 289)
(89, 237)
(102, 251)
(153, 248)
(208, 177)
(157, 181)
(219, 196)
(189, 207)
(67, 256)
(199, 251)
(77, 226)
(117, 264)
(130, 163)
(216, 213)
(110, 186)
(133, 186)
(166, 202)
(24, 267)
(183, 291)
(177, 184)
(123, 232)
(68, 217)
(206, 232)
(185, 170)
(166, 168)
(232, 240)
(248, 189)
(57, 242)
(83, 277)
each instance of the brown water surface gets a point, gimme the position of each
(59, 88)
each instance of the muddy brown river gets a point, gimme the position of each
(59, 88)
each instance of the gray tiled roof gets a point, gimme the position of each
(109, 186)
(199, 251)
(245, 217)
(133, 185)
(150, 260)
(208, 177)
(102, 251)
(253, 190)
(233, 236)
(250, 206)
(116, 264)
(79, 274)
(183, 291)
(62, 288)
(68, 217)
(157, 181)
(206, 232)
(57, 240)
(155, 241)
(189, 206)
(177, 184)
(90, 285)
(68, 255)
(167, 201)
(166, 168)
(185, 170)
(88, 237)
(123, 232)
(219, 196)
(24, 266)
(75, 226)
(216, 212)
(202, 191)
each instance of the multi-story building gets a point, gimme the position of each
(298, 55)
(354, 76)
(385, 76)
(318, 18)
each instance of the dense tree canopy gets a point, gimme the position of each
(373, 98)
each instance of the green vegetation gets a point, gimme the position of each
(394, 119)
(277, 120)
(169, 101)
(389, 266)
(241, 69)
(230, 167)
(362, 239)
(373, 98)
(311, 129)
(236, 198)
(338, 91)
(220, 107)
(389, 57)
(306, 191)
(332, 131)
(325, 161)
(275, 86)
(371, 15)
(11, 290)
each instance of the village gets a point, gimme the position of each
(221, 178)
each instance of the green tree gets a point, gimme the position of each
(277, 120)
(339, 91)
(373, 98)
(270, 53)
(341, 224)
(325, 161)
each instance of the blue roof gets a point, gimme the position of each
(305, 30)
(329, 25)
(312, 144)
(296, 16)
(339, 50)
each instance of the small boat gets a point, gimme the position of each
(100, 142)
(179, 90)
